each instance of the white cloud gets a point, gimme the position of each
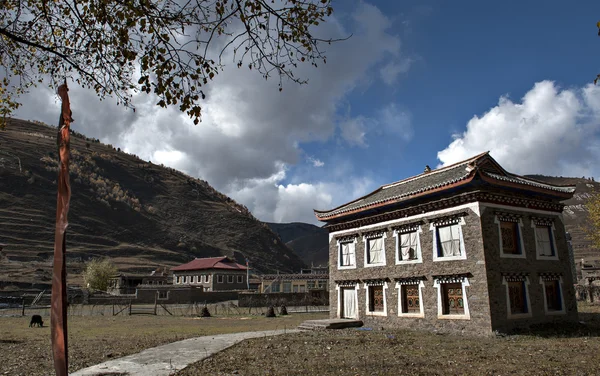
(552, 131)
(315, 162)
(249, 131)
(391, 71)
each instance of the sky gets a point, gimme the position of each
(419, 82)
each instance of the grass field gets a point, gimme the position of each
(547, 351)
(26, 351)
(569, 350)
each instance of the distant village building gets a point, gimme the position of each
(213, 274)
(123, 283)
(466, 248)
(305, 281)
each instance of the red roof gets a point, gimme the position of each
(222, 262)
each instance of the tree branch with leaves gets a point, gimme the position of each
(170, 48)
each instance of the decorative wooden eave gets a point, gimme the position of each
(412, 280)
(460, 199)
(508, 217)
(518, 182)
(550, 276)
(451, 278)
(515, 276)
(451, 219)
(408, 227)
(347, 282)
(375, 281)
(374, 234)
(542, 221)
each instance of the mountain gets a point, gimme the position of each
(139, 214)
(575, 214)
(310, 242)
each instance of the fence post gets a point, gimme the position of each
(23, 307)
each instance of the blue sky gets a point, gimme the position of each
(420, 82)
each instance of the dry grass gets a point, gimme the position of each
(92, 340)
(545, 351)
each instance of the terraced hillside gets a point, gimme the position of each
(139, 214)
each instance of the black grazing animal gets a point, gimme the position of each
(36, 320)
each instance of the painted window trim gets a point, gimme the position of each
(220, 278)
(511, 315)
(165, 298)
(206, 278)
(369, 313)
(563, 311)
(440, 315)
(366, 242)
(339, 254)
(402, 314)
(463, 252)
(419, 259)
(338, 287)
(240, 279)
(552, 241)
(520, 226)
(230, 279)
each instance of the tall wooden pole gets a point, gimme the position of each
(58, 319)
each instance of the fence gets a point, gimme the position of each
(588, 293)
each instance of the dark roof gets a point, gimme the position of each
(435, 180)
(222, 262)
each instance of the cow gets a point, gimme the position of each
(36, 320)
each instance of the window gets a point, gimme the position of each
(206, 278)
(230, 279)
(220, 279)
(185, 279)
(510, 240)
(162, 295)
(448, 243)
(408, 246)
(178, 280)
(452, 297)
(322, 285)
(275, 287)
(347, 257)
(240, 279)
(287, 286)
(409, 298)
(311, 285)
(517, 296)
(375, 250)
(376, 304)
(375, 298)
(553, 297)
(295, 288)
(543, 241)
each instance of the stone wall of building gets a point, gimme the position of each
(497, 266)
(473, 266)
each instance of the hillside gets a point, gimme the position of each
(310, 242)
(139, 214)
(575, 214)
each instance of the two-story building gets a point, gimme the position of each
(212, 274)
(465, 248)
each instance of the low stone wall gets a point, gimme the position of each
(313, 298)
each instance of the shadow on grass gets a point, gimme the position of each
(10, 341)
(588, 326)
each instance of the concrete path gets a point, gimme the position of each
(167, 359)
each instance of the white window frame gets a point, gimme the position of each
(240, 279)
(366, 242)
(563, 311)
(164, 292)
(552, 242)
(465, 316)
(338, 287)
(206, 278)
(521, 244)
(374, 313)
(399, 285)
(509, 313)
(398, 235)
(230, 279)
(339, 254)
(463, 253)
(220, 278)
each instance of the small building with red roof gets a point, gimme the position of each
(212, 274)
(468, 248)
